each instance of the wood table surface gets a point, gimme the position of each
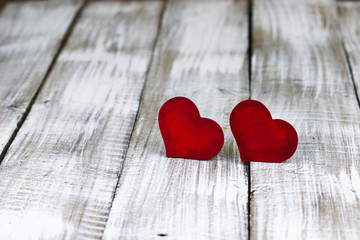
(81, 84)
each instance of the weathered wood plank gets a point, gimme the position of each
(202, 55)
(31, 34)
(299, 71)
(59, 175)
(350, 25)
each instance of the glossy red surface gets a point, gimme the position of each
(258, 136)
(186, 134)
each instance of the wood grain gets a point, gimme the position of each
(299, 71)
(202, 55)
(59, 175)
(31, 34)
(350, 26)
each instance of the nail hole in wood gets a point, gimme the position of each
(162, 235)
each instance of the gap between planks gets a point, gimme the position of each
(349, 31)
(250, 23)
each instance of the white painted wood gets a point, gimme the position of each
(299, 71)
(59, 175)
(350, 26)
(31, 33)
(202, 55)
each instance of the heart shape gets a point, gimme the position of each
(186, 134)
(259, 137)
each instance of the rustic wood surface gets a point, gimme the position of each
(80, 89)
(299, 71)
(177, 198)
(350, 25)
(60, 173)
(31, 34)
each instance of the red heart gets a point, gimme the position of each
(259, 137)
(186, 134)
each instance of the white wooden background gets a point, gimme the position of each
(81, 83)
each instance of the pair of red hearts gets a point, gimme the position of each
(258, 136)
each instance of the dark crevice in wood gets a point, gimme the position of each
(348, 62)
(351, 73)
(33, 99)
(249, 199)
(250, 12)
(159, 27)
(250, 50)
(162, 235)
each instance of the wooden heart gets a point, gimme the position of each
(186, 134)
(259, 137)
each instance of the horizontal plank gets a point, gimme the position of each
(299, 71)
(31, 34)
(202, 55)
(59, 175)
